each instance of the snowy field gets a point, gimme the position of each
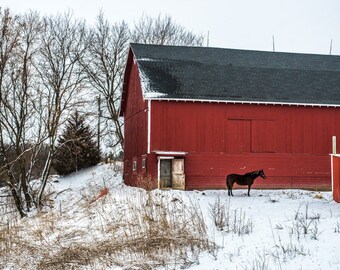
(129, 228)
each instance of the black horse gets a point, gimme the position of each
(246, 179)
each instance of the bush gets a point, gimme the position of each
(35, 168)
(76, 148)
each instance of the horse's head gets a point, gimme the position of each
(261, 173)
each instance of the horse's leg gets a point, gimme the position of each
(230, 187)
(230, 190)
(227, 184)
(249, 190)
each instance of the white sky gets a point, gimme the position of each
(304, 26)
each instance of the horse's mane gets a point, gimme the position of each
(253, 173)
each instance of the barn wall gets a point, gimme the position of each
(135, 128)
(292, 144)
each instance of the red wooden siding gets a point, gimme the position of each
(135, 128)
(336, 177)
(290, 143)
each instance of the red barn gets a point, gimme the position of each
(194, 114)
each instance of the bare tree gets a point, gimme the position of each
(63, 46)
(45, 67)
(104, 65)
(18, 50)
(163, 31)
(9, 41)
(106, 57)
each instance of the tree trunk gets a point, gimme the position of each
(18, 203)
(44, 177)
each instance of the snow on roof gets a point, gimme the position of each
(147, 89)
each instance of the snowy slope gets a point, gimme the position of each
(272, 229)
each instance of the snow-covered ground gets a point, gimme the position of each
(272, 229)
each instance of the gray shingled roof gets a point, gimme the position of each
(202, 73)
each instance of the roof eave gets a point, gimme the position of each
(245, 102)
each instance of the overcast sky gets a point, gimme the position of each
(303, 26)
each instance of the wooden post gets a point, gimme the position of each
(335, 166)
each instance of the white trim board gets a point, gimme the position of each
(247, 102)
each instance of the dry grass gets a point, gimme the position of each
(140, 230)
(227, 220)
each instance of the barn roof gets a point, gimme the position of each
(214, 74)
